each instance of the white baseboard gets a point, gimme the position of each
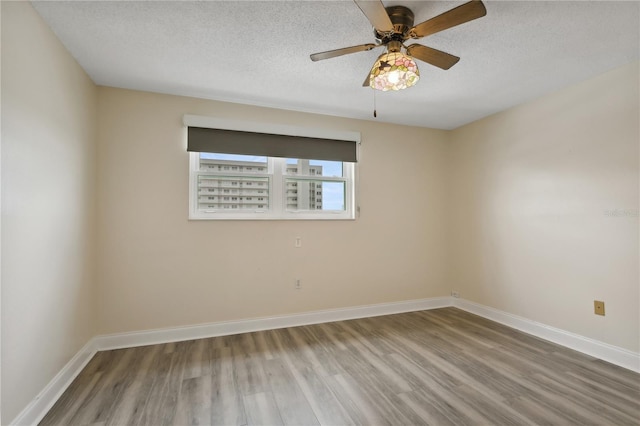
(604, 351)
(225, 328)
(40, 406)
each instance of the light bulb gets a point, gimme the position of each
(393, 77)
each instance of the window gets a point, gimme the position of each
(273, 186)
(319, 190)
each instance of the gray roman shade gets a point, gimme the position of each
(202, 139)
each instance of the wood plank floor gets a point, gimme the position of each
(441, 367)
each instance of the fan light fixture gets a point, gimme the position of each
(393, 26)
(393, 71)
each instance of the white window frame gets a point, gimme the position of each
(276, 171)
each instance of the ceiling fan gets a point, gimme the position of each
(392, 26)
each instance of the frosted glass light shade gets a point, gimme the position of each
(393, 71)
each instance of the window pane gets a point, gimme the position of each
(314, 167)
(314, 195)
(233, 193)
(231, 163)
(222, 188)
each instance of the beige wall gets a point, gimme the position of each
(530, 192)
(48, 183)
(158, 269)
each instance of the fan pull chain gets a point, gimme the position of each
(375, 113)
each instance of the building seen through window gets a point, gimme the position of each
(247, 183)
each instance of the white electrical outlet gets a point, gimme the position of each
(298, 242)
(298, 284)
(455, 294)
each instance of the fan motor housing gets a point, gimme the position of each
(401, 18)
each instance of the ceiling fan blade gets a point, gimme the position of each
(376, 14)
(365, 83)
(432, 56)
(344, 51)
(456, 16)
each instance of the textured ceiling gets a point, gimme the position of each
(258, 53)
